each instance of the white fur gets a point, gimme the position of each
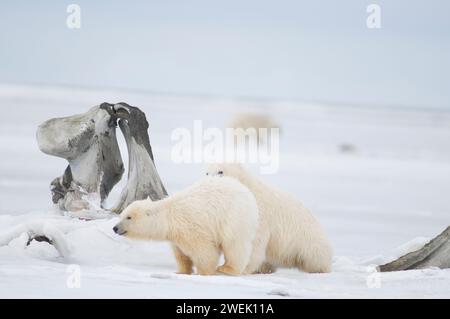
(296, 238)
(212, 216)
(255, 121)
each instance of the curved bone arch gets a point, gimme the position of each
(89, 143)
(436, 253)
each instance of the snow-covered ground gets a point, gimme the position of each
(384, 196)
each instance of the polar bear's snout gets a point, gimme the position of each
(118, 229)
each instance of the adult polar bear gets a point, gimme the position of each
(211, 216)
(296, 239)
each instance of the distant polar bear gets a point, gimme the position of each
(255, 121)
(212, 216)
(296, 238)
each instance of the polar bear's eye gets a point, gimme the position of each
(220, 172)
(207, 174)
(128, 217)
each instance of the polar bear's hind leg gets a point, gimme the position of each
(258, 256)
(314, 264)
(206, 259)
(237, 255)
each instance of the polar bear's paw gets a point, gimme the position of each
(266, 268)
(228, 270)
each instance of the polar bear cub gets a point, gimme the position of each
(213, 215)
(296, 239)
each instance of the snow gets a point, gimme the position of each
(384, 196)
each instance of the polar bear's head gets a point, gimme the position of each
(142, 220)
(225, 169)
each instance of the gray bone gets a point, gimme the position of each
(89, 143)
(436, 253)
(143, 178)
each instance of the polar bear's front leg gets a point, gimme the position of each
(184, 263)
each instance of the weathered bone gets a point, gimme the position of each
(89, 143)
(436, 253)
(143, 178)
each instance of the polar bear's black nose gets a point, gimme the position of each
(115, 229)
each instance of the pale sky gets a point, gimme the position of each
(317, 50)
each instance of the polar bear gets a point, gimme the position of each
(296, 238)
(255, 121)
(213, 215)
